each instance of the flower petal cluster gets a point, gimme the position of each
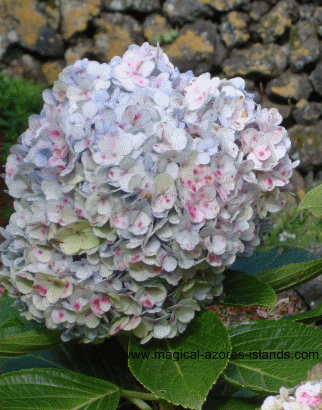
(129, 185)
(306, 396)
(290, 305)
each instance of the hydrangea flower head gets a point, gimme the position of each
(132, 179)
(306, 396)
(309, 394)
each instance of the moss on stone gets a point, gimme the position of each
(300, 137)
(294, 38)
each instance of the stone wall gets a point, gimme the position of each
(275, 45)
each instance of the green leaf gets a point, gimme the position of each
(30, 341)
(185, 381)
(55, 389)
(107, 361)
(13, 322)
(273, 258)
(234, 404)
(264, 354)
(222, 391)
(244, 290)
(313, 201)
(55, 357)
(292, 275)
(21, 336)
(10, 320)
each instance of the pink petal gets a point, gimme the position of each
(58, 316)
(140, 81)
(40, 289)
(262, 152)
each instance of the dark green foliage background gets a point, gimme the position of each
(19, 99)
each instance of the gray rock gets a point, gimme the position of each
(185, 11)
(318, 15)
(283, 109)
(250, 87)
(116, 32)
(7, 36)
(83, 46)
(233, 28)
(272, 2)
(254, 31)
(264, 60)
(52, 69)
(297, 186)
(307, 141)
(49, 44)
(318, 19)
(307, 113)
(316, 247)
(155, 27)
(306, 11)
(23, 22)
(290, 86)
(316, 78)
(142, 6)
(226, 5)
(256, 9)
(198, 47)
(310, 183)
(75, 15)
(304, 44)
(311, 292)
(25, 66)
(312, 180)
(52, 11)
(318, 178)
(274, 23)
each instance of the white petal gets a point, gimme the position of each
(161, 98)
(185, 315)
(123, 146)
(203, 158)
(133, 323)
(219, 244)
(137, 139)
(118, 325)
(146, 68)
(178, 139)
(169, 263)
(92, 321)
(161, 331)
(75, 93)
(89, 109)
(93, 68)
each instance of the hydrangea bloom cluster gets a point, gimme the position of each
(307, 396)
(134, 189)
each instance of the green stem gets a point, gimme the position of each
(139, 403)
(129, 394)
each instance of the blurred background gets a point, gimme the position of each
(274, 45)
